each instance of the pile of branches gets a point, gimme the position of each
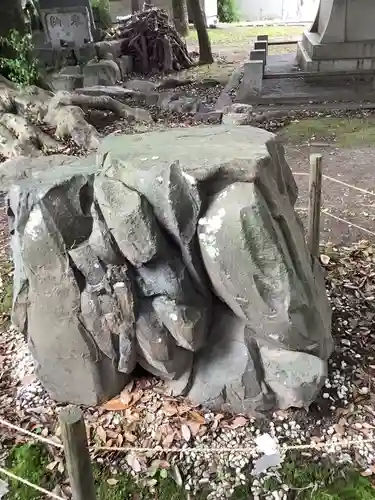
(153, 42)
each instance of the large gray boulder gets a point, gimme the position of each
(181, 252)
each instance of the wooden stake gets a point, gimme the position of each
(77, 456)
(315, 195)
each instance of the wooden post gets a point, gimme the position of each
(77, 454)
(315, 195)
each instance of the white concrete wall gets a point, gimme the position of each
(286, 10)
(123, 7)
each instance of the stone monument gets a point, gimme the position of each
(179, 251)
(342, 37)
(69, 19)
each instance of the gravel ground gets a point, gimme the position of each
(144, 416)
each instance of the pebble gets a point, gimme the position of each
(229, 470)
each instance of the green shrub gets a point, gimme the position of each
(102, 7)
(21, 65)
(227, 11)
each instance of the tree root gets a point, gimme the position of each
(24, 111)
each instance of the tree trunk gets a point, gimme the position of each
(205, 52)
(180, 17)
(11, 16)
(135, 6)
(21, 109)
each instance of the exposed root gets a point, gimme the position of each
(103, 102)
(22, 111)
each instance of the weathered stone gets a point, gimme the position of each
(224, 102)
(140, 85)
(187, 323)
(109, 46)
(59, 342)
(225, 376)
(67, 79)
(235, 118)
(173, 196)
(101, 240)
(239, 237)
(188, 260)
(158, 351)
(252, 81)
(130, 219)
(103, 72)
(295, 377)
(178, 104)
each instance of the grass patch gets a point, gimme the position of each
(243, 34)
(325, 482)
(28, 461)
(346, 132)
(305, 481)
(164, 488)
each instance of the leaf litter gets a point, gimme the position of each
(143, 416)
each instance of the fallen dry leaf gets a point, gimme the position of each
(111, 481)
(366, 473)
(194, 428)
(325, 259)
(52, 465)
(176, 474)
(130, 437)
(133, 462)
(238, 422)
(28, 379)
(126, 397)
(102, 435)
(197, 417)
(168, 440)
(115, 404)
(169, 409)
(202, 430)
(136, 397)
(339, 429)
(185, 431)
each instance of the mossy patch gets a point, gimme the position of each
(244, 34)
(345, 132)
(28, 461)
(307, 481)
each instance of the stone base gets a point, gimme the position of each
(341, 56)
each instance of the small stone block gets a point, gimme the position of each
(258, 55)
(103, 72)
(251, 84)
(262, 38)
(66, 82)
(261, 46)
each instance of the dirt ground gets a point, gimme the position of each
(354, 167)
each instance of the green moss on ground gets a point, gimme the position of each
(306, 481)
(345, 132)
(243, 34)
(28, 461)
